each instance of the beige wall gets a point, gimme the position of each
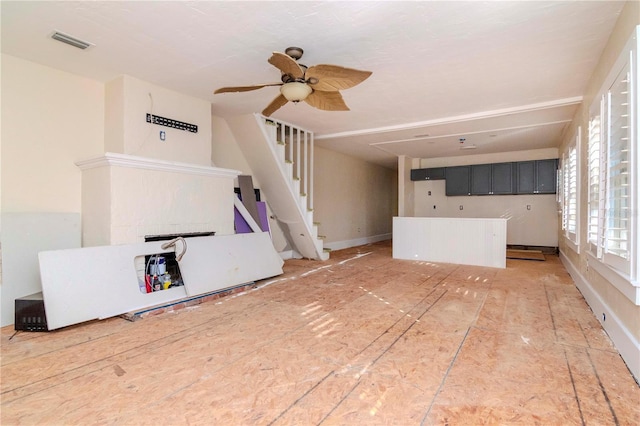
(533, 226)
(50, 119)
(623, 323)
(128, 102)
(354, 200)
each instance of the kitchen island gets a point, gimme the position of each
(466, 241)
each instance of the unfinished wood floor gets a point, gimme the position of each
(360, 339)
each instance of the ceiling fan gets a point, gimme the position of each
(319, 85)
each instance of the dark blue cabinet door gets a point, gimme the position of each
(502, 178)
(546, 176)
(434, 173)
(526, 171)
(418, 174)
(481, 179)
(537, 177)
(458, 180)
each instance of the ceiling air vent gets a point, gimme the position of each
(70, 40)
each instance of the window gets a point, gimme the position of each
(570, 191)
(617, 211)
(610, 161)
(594, 224)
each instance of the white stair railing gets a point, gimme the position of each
(294, 147)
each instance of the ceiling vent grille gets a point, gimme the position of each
(70, 40)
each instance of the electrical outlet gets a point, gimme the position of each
(461, 208)
(163, 135)
(429, 193)
(528, 206)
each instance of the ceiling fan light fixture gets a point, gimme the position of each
(295, 91)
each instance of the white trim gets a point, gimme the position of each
(131, 161)
(620, 281)
(339, 245)
(456, 119)
(446, 135)
(288, 254)
(624, 341)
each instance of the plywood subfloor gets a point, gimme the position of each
(525, 254)
(359, 339)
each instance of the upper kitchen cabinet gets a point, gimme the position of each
(502, 178)
(481, 179)
(492, 179)
(458, 180)
(434, 173)
(536, 177)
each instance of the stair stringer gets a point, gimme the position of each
(268, 166)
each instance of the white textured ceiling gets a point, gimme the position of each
(504, 75)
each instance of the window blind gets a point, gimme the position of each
(617, 213)
(593, 158)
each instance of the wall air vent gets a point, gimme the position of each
(70, 40)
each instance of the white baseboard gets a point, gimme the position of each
(339, 245)
(626, 344)
(289, 254)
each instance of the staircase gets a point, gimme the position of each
(281, 158)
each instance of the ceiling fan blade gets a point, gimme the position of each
(334, 77)
(328, 101)
(275, 104)
(244, 88)
(286, 64)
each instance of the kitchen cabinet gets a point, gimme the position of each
(458, 180)
(523, 177)
(434, 173)
(492, 179)
(546, 176)
(502, 178)
(536, 177)
(481, 179)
